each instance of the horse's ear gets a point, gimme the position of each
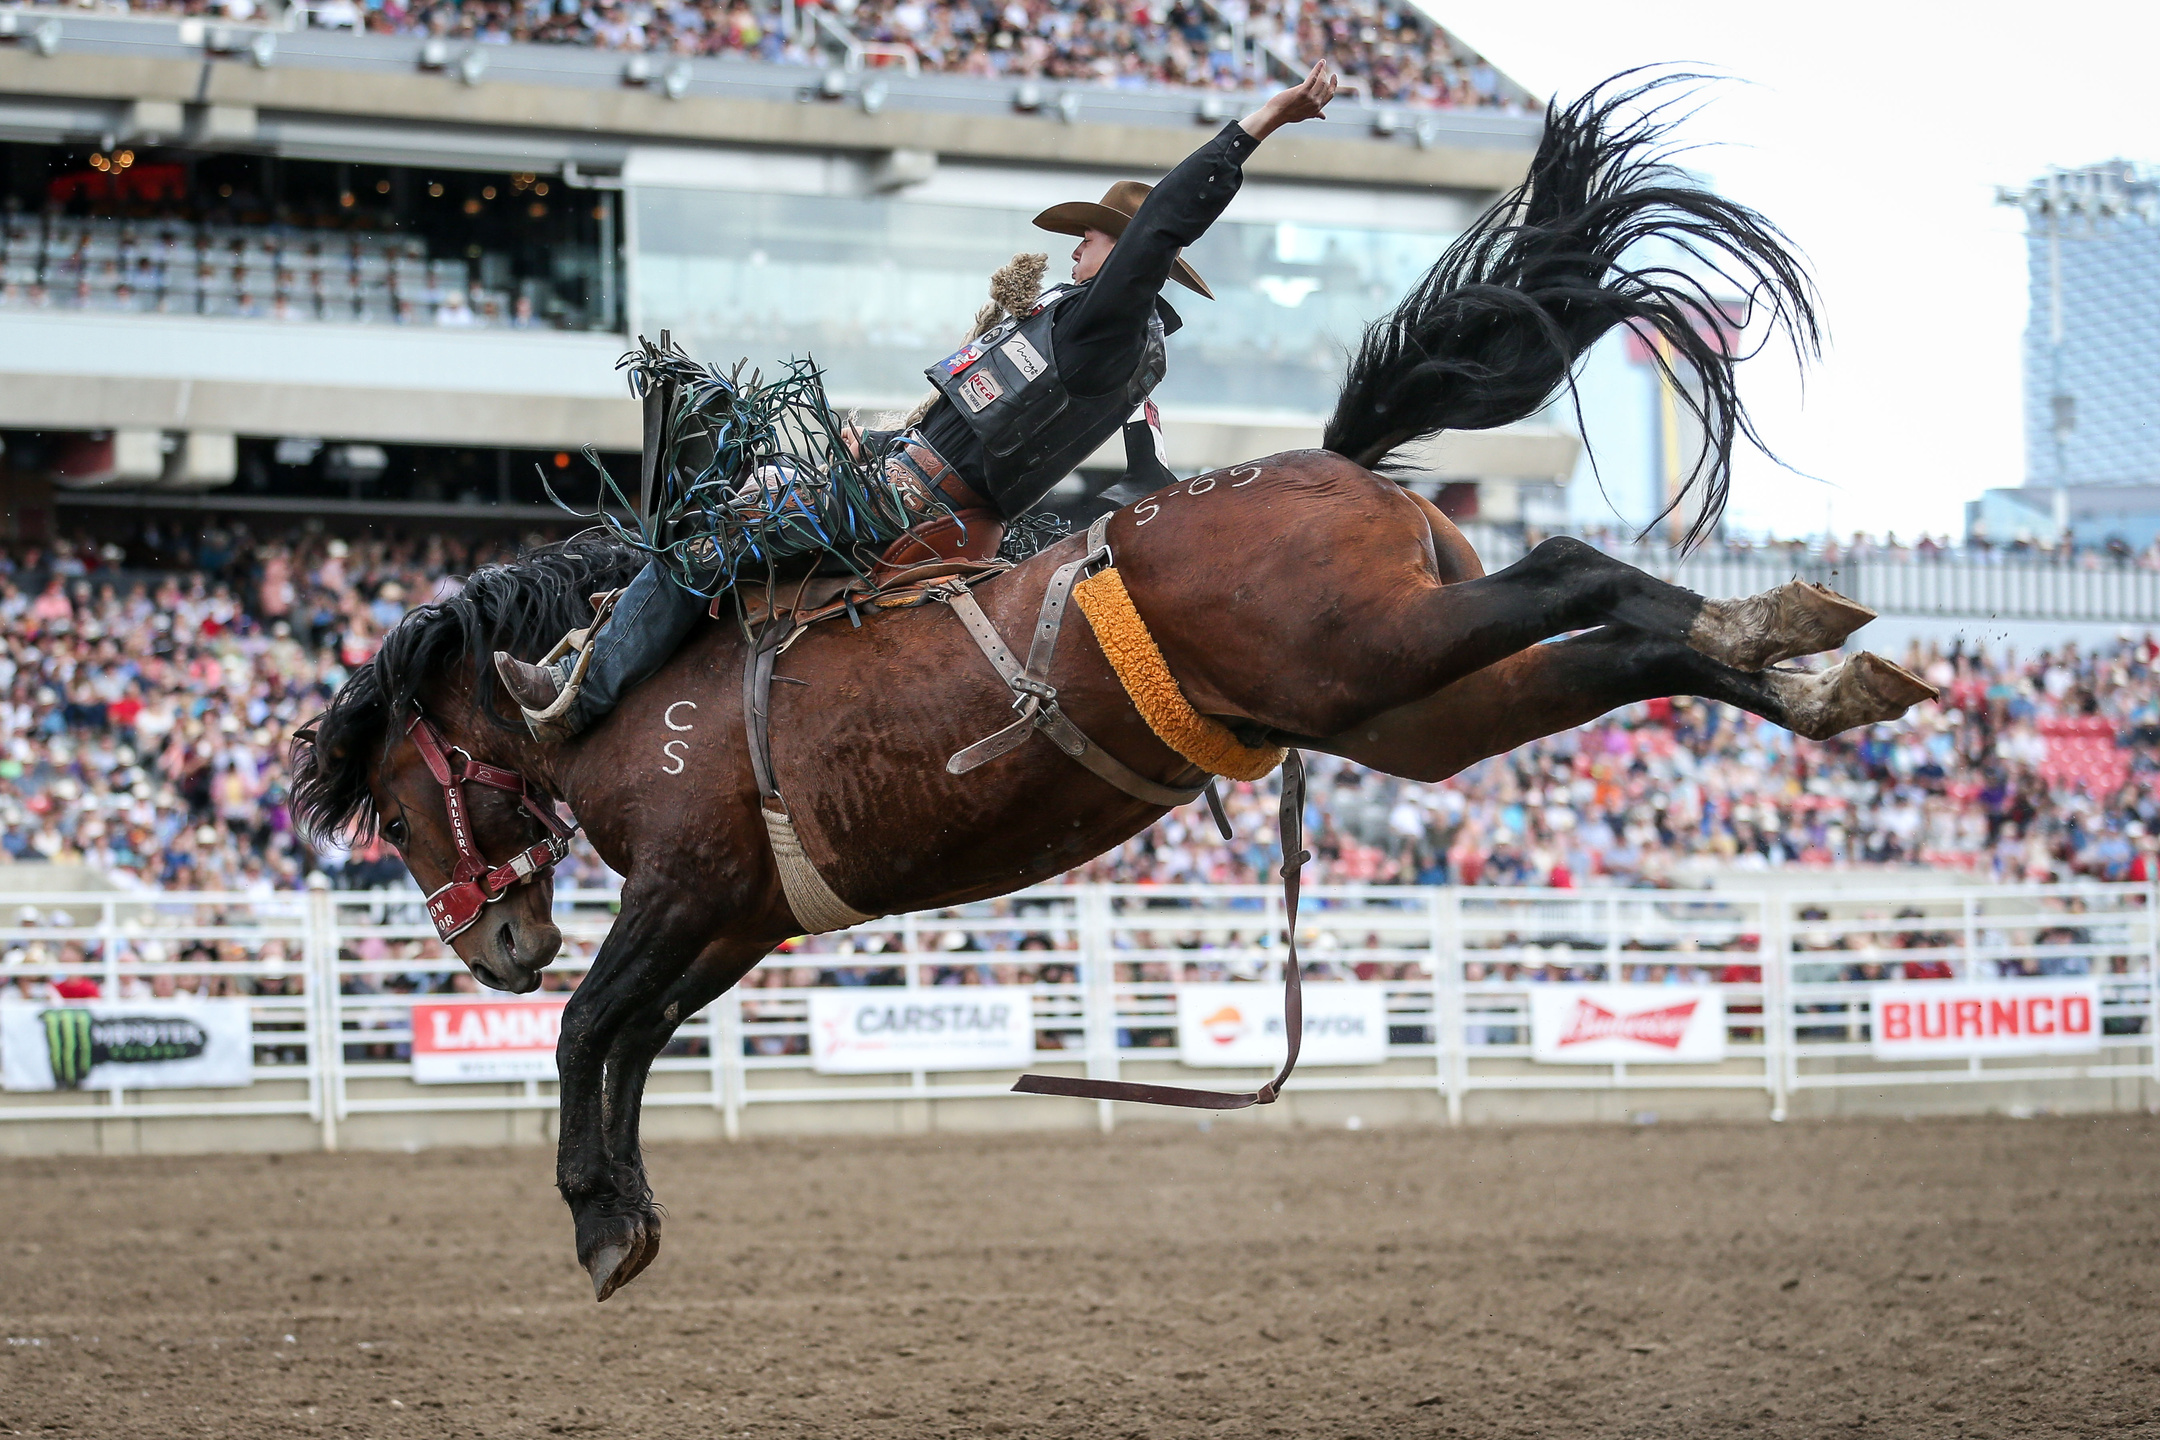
(312, 735)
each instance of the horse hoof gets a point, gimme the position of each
(1865, 690)
(1798, 618)
(606, 1268)
(619, 1261)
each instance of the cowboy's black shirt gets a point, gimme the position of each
(1099, 333)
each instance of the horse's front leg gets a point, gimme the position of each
(625, 1243)
(1546, 689)
(651, 947)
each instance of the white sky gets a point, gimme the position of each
(1875, 135)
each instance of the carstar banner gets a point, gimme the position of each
(1958, 1020)
(877, 1030)
(1242, 1025)
(468, 1040)
(139, 1044)
(1651, 1024)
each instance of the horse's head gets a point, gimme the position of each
(477, 837)
(476, 834)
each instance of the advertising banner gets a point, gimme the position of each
(139, 1044)
(875, 1030)
(468, 1040)
(1957, 1020)
(1242, 1025)
(1651, 1024)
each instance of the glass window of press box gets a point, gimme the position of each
(878, 288)
(168, 231)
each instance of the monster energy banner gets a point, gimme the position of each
(139, 1044)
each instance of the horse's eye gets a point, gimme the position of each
(394, 831)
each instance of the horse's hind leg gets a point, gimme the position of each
(625, 1243)
(1413, 645)
(1545, 689)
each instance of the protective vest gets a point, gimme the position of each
(1005, 384)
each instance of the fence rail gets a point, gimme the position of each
(331, 979)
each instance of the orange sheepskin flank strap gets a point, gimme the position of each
(1155, 694)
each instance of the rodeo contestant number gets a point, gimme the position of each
(1149, 508)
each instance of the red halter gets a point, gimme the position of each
(456, 907)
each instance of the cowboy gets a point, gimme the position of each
(1018, 408)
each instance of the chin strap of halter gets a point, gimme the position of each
(456, 907)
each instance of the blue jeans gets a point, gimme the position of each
(647, 626)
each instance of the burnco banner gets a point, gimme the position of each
(878, 1029)
(1242, 1025)
(466, 1041)
(1957, 1020)
(139, 1044)
(1598, 1024)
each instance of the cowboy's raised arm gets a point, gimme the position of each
(1307, 100)
(1103, 340)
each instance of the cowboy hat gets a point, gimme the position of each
(1119, 204)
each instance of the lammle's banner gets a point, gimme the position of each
(139, 1044)
(1242, 1025)
(466, 1041)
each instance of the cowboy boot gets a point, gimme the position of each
(634, 632)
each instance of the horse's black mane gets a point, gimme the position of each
(523, 607)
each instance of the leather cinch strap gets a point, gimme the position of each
(1291, 818)
(816, 906)
(1036, 698)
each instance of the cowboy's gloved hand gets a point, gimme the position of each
(1305, 101)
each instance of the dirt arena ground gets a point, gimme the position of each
(1961, 1278)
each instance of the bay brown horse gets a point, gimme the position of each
(1303, 599)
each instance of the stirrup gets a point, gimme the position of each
(553, 724)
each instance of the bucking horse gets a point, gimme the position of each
(1301, 601)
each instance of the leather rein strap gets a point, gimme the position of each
(1036, 700)
(1035, 697)
(1291, 818)
(473, 886)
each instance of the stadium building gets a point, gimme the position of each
(304, 270)
(2092, 362)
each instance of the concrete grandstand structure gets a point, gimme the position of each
(471, 233)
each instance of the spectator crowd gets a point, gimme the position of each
(1383, 49)
(147, 691)
(1979, 547)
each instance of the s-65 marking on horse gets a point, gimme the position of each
(1302, 600)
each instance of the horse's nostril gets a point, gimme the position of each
(506, 943)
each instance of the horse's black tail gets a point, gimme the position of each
(1494, 329)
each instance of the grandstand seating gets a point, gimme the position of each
(178, 267)
(143, 719)
(1384, 50)
(2082, 754)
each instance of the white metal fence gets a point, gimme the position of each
(331, 978)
